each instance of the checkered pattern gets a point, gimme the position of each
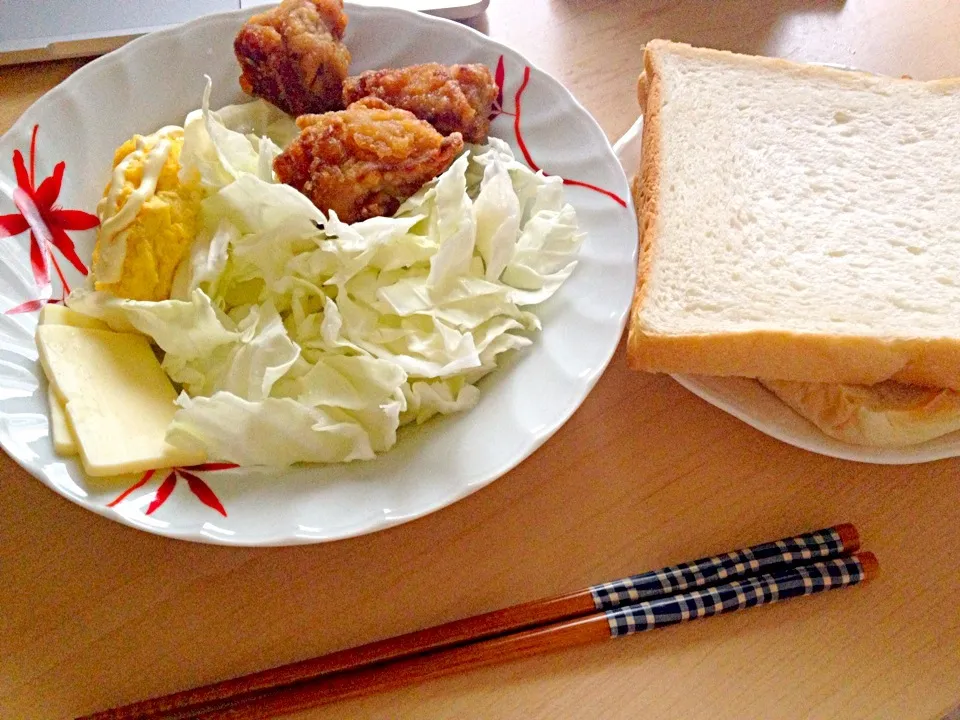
(810, 547)
(758, 590)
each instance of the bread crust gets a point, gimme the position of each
(885, 415)
(933, 362)
(854, 78)
(642, 93)
(645, 186)
(794, 356)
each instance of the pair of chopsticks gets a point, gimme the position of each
(801, 565)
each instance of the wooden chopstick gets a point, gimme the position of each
(767, 557)
(749, 592)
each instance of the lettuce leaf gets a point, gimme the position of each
(248, 367)
(220, 146)
(320, 338)
(497, 211)
(351, 382)
(453, 224)
(286, 431)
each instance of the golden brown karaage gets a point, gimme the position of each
(366, 160)
(292, 55)
(452, 98)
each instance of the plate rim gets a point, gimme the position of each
(380, 522)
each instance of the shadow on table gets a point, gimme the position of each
(744, 26)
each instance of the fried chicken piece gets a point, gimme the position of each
(452, 98)
(366, 160)
(292, 55)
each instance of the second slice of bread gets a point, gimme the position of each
(797, 222)
(888, 414)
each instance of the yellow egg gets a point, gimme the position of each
(149, 218)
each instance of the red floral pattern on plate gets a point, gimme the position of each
(196, 484)
(47, 223)
(499, 77)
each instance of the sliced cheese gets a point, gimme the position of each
(60, 315)
(119, 402)
(63, 440)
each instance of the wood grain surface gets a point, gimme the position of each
(94, 614)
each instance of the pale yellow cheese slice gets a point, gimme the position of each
(60, 315)
(63, 441)
(118, 400)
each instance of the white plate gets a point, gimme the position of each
(158, 78)
(751, 402)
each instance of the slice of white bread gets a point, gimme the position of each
(888, 414)
(797, 222)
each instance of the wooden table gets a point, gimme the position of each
(93, 614)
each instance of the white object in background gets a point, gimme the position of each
(451, 9)
(34, 31)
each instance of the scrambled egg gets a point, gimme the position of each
(149, 218)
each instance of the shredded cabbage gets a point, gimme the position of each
(299, 338)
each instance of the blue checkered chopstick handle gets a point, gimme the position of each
(806, 548)
(740, 594)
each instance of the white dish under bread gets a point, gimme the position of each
(792, 280)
